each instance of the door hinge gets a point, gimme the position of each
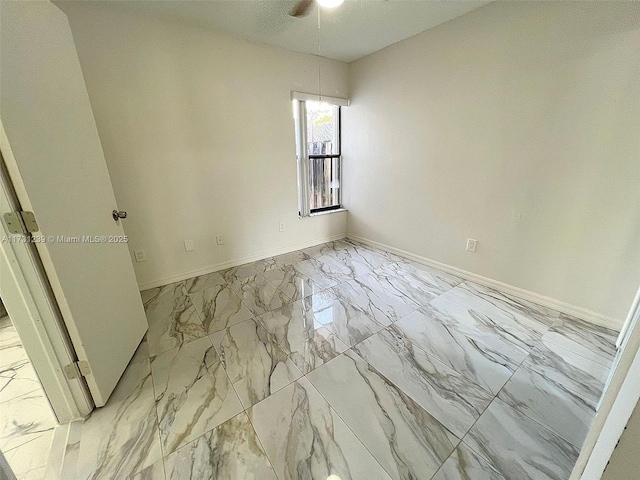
(77, 370)
(21, 222)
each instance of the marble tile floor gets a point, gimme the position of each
(342, 361)
(26, 420)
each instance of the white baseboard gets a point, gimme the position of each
(564, 307)
(235, 262)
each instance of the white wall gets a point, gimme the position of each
(197, 129)
(517, 124)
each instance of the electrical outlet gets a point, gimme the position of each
(188, 246)
(140, 256)
(471, 244)
(219, 240)
(281, 227)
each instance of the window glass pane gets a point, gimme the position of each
(325, 182)
(322, 128)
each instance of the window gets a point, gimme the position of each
(318, 150)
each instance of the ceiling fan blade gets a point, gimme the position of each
(302, 9)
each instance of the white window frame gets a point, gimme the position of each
(300, 118)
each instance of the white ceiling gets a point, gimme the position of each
(349, 32)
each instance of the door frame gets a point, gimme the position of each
(30, 302)
(617, 403)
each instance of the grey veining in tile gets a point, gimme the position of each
(342, 244)
(506, 302)
(407, 441)
(512, 321)
(11, 350)
(326, 248)
(314, 270)
(256, 365)
(305, 439)
(193, 393)
(172, 319)
(29, 460)
(230, 451)
(487, 367)
(327, 271)
(203, 282)
(259, 295)
(453, 400)
(465, 464)
(349, 322)
(292, 258)
(235, 274)
(578, 374)
(382, 303)
(307, 344)
(17, 380)
(24, 418)
(71, 450)
(153, 472)
(163, 294)
(122, 438)
(366, 256)
(418, 282)
(292, 283)
(584, 339)
(219, 307)
(480, 327)
(519, 447)
(550, 404)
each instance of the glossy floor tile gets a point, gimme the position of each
(307, 344)
(172, 318)
(204, 282)
(345, 361)
(259, 294)
(335, 311)
(235, 274)
(17, 379)
(255, 363)
(371, 258)
(479, 363)
(380, 302)
(328, 271)
(407, 441)
(122, 438)
(304, 438)
(465, 464)
(26, 419)
(231, 450)
(576, 373)
(453, 400)
(512, 322)
(219, 307)
(29, 460)
(519, 447)
(193, 393)
(418, 282)
(512, 305)
(292, 283)
(480, 327)
(587, 340)
(551, 404)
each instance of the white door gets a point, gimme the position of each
(60, 174)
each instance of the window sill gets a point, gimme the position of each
(317, 214)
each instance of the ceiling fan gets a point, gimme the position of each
(303, 7)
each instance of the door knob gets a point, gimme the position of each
(118, 214)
